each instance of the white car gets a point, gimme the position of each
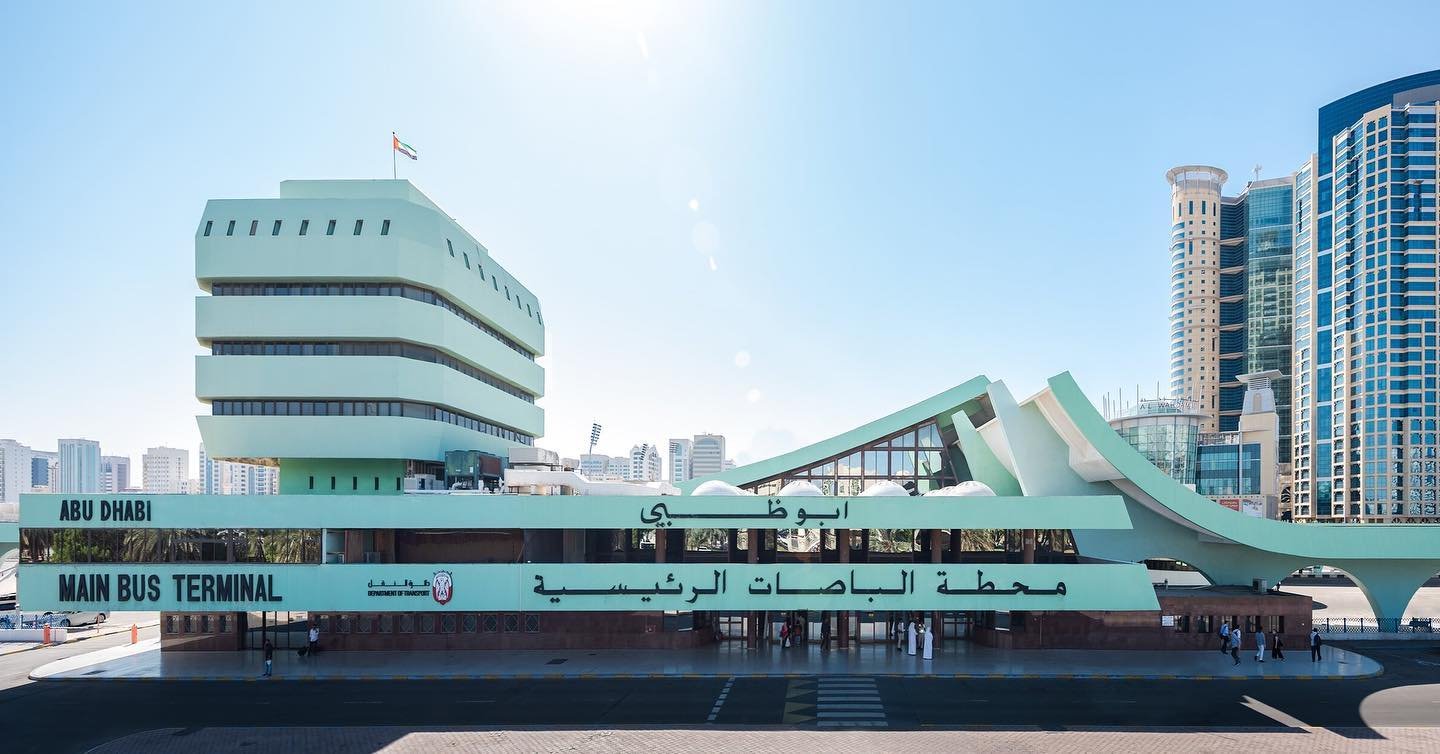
(74, 618)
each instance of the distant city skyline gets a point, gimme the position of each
(779, 270)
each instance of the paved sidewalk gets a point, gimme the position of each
(288, 740)
(146, 662)
(81, 633)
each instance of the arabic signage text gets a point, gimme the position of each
(588, 587)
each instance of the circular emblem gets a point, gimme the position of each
(442, 588)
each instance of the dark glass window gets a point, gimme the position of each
(414, 293)
(275, 229)
(467, 260)
(254, 225)
(385, 227)
(450, 246)
(330, 229)
(304, 227)
(208, 225)
(230, 229)
(358, 225)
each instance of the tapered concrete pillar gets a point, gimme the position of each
(842, 548)
(936, 553)
(752, 632)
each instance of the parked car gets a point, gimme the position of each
(72, 618)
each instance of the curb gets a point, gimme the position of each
(699, 676)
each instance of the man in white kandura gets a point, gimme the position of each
(910, 639)
(929, 643)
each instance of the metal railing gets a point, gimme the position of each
(1374, 626)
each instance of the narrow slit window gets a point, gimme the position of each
(495, 282)
(330, 229)
(254, 226)
(358, 225)
(467, 260)
(507, 293)
(275, 229)
(304, 227)
(208, 225)
(450, 246)
(230, 229)
(385, 228)
(481, 268)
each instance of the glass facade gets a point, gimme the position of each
(1166, 432)
(1269, 297)
(1383, 358)
(920, 458)
(1228, 469)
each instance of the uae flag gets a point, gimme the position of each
(404, 148)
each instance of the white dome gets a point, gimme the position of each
(963, 489)
(717, 487)
(885, 488)
(800, 488)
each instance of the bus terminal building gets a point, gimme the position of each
(355, 335)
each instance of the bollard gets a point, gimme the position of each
(45, 634)
(134, 634)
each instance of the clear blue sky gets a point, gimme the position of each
(895, 197)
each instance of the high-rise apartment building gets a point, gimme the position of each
(644, 464)
(40, 462)
(15, 471)
(114, 473)
(1230, 293)
(219, 477)
(165, 470)
(680, 454)
(707, 455)
(1365, 358)
(597, 467)
(79, 466)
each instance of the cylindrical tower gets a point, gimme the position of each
(1195, 287)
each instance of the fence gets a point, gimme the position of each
(1374, 626)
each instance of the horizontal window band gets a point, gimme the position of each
(364, 348)
(358, 407)
(351, 288)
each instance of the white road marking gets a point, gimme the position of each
(1272, 713)
(720, 700)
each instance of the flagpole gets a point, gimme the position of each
(393, 175)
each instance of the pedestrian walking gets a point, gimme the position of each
(825, 632)
(1225, 637)
(1277, 647)
(269, 658)
(910, 639)
(1259, 646)
(785, 635)
(1236, 637)
(314, 646)
(899, 635)
(1315, 644)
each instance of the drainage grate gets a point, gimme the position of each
(560, 661)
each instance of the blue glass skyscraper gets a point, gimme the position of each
(1365, 359)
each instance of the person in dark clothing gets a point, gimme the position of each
(1277, 647)
(1315, 645)
(269, 658)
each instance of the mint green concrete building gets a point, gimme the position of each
(340, 312)
(358, 337)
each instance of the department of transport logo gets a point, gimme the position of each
(442, 587)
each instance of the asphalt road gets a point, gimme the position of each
(74, 716)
